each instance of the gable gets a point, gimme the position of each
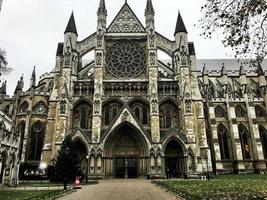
(126, 22)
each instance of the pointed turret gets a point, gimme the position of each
(242, 70)
(20, 84)
(149, 8)
(223, 71)
(33, 79)
(180, 27)
(260, 70)
(71, 27)
(102, 14)
(102, 8)
(149, 14)
(261, 74)
(3, 88)
(205, 75)
(242, 74)
(204, 71)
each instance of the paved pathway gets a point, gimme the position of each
(120, 189)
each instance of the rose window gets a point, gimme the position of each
(126, 59)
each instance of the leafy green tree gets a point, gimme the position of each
(4, 69)
(67, 162)
(243, 24)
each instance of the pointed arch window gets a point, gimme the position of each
(263, 137)
(137, 112)
(169, 115)
(114, 112)
(240, 112)
(110, 111)
(223, 141)
(36, 141)
(23, 108)
(82, 116)
(140, 109)
(245, 141)
(107, 121)
(145, 115)
(260, 112)
(220, 112)
(84, 119)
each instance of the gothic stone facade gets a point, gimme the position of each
(134, 115)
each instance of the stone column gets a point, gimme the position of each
(98, 87)
(153, 86)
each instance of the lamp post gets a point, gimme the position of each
(66, 151)
(87, 159)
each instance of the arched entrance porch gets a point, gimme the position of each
(82, 159)
(175, 159)
(125, 153)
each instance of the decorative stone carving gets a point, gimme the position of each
(98, 59)
(97, 103)
(184, 56)
(124, 116)
(126, 59)
(63, 107)
(126, 22)
(152, 58)
(67, 55)
(151, 38)
(154, 103)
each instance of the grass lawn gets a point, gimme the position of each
(228, 187)
(19, 195)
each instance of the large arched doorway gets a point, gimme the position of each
(81, 152)
(175, 160)
(125, 153)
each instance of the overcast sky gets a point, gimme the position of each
(31, 29)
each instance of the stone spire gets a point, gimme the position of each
(180, 27)
(102, 8)
(71, 27)
(149, 8)
(204, 71)
(20, 84)
(102, 15)
(260, 70)
(223, 71)
(242, 70)
(3, 88)
(33, 79)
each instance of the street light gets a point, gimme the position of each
(86, 178)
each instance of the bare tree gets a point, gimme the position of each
(4, 69)
(243, 24)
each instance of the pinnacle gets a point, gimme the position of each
(180, 27)
(71, 27)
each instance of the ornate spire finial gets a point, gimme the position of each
(149, 8)
(102, 8)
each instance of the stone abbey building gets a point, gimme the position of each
(133, 115)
